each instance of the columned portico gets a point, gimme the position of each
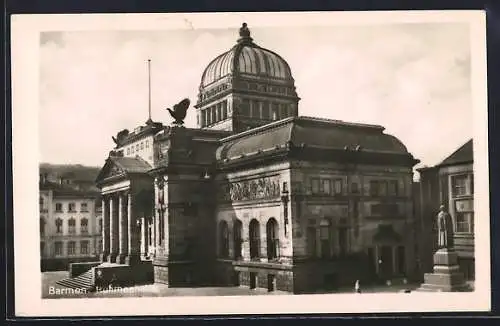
(123, 233)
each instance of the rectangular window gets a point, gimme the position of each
(219, 112)
(99, 246)
(71, 248)
(100, 226)
(42, 249)
(461, 185)
(393, 188)
(326, 186)
(71, 207)
(275, 107)
(337, 187)
(58, 248)
(315, 186)
(354, 188)
(374, 188)
(265, 112)
(245, 108)
(464, 222)
(84, 247)
(382, 188)
(84, 207)
(275, 115)
(59, 207)
(224, 110)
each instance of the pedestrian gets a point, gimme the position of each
(357, 288)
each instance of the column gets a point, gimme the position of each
(133, 245)
(144, 239)
(105, 230)
(122, 230)
(113, 232)
(158, 215)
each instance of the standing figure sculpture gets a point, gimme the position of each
(445, 229)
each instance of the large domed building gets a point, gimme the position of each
(246, 87)
(257, 196)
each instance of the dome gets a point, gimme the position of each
(247, 58)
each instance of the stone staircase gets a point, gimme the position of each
(80, 282)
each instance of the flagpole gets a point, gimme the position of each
(149, 90)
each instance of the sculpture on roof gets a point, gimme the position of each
(244, 31)
(179, 111)
(120, 136)
(445, 229)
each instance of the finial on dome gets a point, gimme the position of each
(244, 33)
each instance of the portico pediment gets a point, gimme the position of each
(118, 168)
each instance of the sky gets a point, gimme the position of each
(413, 79)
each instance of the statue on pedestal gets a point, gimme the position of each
(445, 229)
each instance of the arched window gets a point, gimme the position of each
(272, 239)
(237, 239)
(42, 226)
(223, 239)
(254, 231)
(84, 225)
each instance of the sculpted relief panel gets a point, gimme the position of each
(256, 189)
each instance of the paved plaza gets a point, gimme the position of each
(52, 290)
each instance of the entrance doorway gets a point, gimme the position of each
(253, 280)
(385, 262)
(271, 285)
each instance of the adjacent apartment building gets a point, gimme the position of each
(450, 183)
(70, 223)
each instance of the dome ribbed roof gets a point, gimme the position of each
(246, 57)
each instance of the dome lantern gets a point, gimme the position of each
(246, 87)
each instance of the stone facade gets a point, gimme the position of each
(69, 224)
(260, 197)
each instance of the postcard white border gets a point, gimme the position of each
(25, 58)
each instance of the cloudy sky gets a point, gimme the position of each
(414, 79)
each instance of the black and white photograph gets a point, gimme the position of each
(235, 163)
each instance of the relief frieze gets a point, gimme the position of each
(256, 189)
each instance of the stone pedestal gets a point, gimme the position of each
(446, 276)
